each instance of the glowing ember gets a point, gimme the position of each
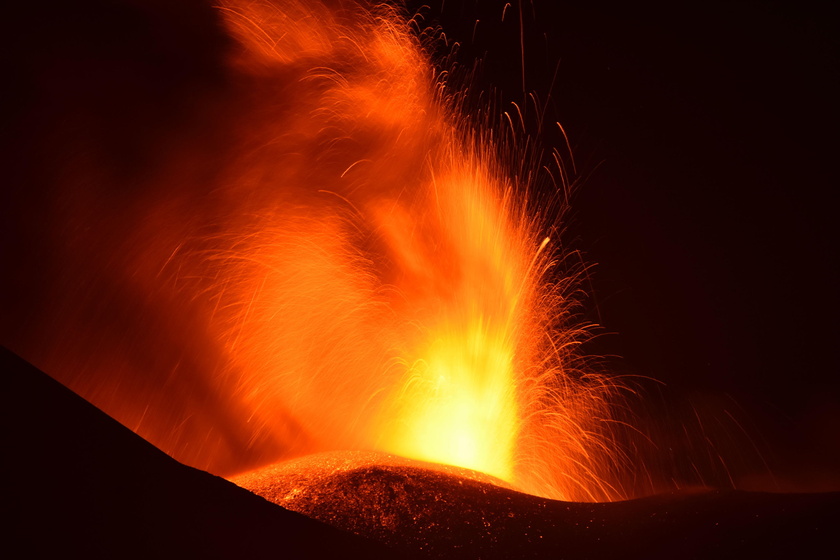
(358, 271)
(430, 341)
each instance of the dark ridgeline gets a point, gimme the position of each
(77, 483)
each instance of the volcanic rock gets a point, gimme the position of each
(455, 513)
(78, 484)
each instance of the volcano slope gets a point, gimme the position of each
(78, 482)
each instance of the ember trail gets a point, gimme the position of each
(410, 296)
(346, 262)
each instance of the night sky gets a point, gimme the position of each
(705, 140)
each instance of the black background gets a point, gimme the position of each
(705, 141)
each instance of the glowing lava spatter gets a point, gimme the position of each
(358, 270)
(431, 343)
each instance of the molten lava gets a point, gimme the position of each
(346, 262)
(408, 314)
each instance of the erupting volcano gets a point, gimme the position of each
(351, 263)
(320, 261)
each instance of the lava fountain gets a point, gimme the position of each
(406, 310)
(322, 253)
